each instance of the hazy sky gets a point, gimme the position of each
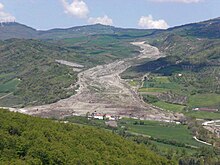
(47, 14)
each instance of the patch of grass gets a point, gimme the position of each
(204, 115)
(165, 147)
(134, 83)
(158, 84)
(162, 79)
(9, 86)
(167, 131)
(4, 75)
(169, 106)
(11, 101)
(153, 90)
(204, 100)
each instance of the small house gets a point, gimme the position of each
(98, 116)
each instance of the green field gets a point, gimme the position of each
(169, 106)
(170, 86)
(153, 90)
(9, 86)
(204, 115)
(162, 79)
(166, 147)
(204, 100)
(160, 130)
(134, 82)
(162, 84)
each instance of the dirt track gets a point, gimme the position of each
(102, 90)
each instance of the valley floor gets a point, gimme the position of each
(102, 90)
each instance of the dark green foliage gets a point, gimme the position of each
(150, 98)
(37, 78)
(30, 140)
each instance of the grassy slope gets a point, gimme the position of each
(166, 131)
(169, 107)
(211, 100)
(197, 59)
(30, 140)
(33, 62)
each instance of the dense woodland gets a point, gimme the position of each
(31, 140)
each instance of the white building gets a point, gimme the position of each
(98, 116)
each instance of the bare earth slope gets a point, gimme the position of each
(102, 90)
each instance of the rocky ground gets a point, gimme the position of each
(102, 90)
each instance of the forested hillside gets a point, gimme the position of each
(30, 74)
(30, 140)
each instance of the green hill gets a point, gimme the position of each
(204, 29)
(31, 65)
(30, 140)
(16, 30)
(20, 31)
(193, 52)
(28, 67)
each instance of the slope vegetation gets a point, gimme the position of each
(192, 65)
(30, 71)
(29, 140)
(20, 31)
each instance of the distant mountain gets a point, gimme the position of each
(16, 30)
(205, 29)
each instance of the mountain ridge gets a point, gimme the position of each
(21, 31)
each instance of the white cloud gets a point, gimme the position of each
(1, 6)
(105, 20)
(149, 23)
(5, 17)
(179, 1)
(77, 8)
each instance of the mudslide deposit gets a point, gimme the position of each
(102, 90)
